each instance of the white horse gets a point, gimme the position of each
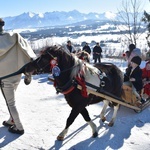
(15, 52)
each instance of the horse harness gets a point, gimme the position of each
(72, 83)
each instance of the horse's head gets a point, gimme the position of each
(53, 60)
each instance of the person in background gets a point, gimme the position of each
(133, 77)
(87, 48)
(133, 51)
(147, 56)
(97, 50)
(146, 80)
(70, 48)
(15, 52)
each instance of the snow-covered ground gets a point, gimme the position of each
(44, 113)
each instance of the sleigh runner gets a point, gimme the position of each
(128, 99)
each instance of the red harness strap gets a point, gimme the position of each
(69, 90)
(81, 81)
(66, 91)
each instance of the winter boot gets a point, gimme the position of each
(8, 123)
(13, 129)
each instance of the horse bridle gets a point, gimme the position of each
(41, 68)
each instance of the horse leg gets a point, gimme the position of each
(74, 113)
(87, 118)
(102, 115)
(61, 136)
(111, 123)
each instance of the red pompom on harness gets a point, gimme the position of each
(123, 54)
(53, 63)
(81, 57)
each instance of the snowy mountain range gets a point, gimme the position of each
(55, 18)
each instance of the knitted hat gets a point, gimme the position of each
(2, 23)
(137, 60)
(131, 46)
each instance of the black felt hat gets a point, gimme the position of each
(136, 59)
(131, 46)
(2, 23)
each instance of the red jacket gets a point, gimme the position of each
(146, 75)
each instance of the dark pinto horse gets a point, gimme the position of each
(68, 71)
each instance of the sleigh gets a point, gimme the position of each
(128, 99)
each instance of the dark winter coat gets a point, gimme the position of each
(97, 50)
(87, 49)
(137, 74)
(69, 48)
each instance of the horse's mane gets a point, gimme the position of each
(83, 68)
(71, 61)
(78, 66)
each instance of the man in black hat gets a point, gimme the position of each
(87, 48)
(2, 23)
(97, 50)
(70, 48)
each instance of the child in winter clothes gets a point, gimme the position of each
(133, 51)
(146, 79)
(133, 77)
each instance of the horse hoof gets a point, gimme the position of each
(60, 138)
(95, 135)
(110, 124)
(27, 80)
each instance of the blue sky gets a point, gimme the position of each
(17, 7)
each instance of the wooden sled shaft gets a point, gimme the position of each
(105, 97)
